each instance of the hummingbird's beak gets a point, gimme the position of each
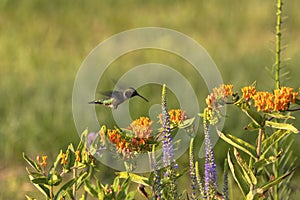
(142, 97)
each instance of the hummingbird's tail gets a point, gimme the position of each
(96, 102)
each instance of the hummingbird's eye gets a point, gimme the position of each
(128, 94)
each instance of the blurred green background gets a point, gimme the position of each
(43, 43)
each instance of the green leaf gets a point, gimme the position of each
(276, 181)
(116, 184)
(81, 179)
(280, 116)
(283, 126)
(89, 188)
(43, 189)
(255, 117)
(43, 180)
(248, 174)
(32, 163)
(133, 177)
(83, 136)
(130, 195)
(252, 126)
(237, 175)
(273, 139)
(238, 143)
(266, 161)
(63, 190)
(187, 123)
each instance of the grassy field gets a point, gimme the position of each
(43, 43)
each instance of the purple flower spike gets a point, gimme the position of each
(168, 147)
(210, 174)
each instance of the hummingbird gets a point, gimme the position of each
(115, 98)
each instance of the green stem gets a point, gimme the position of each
(259, 141)
(278, 44)
(74, 185)
(277, 76)
(51, 192)
(276, 173)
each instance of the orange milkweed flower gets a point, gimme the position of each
(248, 92)
(44, 161)
(142, 127)
(63, 159)
(77, 154)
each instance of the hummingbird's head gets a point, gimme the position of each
(131, 92)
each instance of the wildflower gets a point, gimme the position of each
(44, 161)
(77, 154)
(248, 92)
(192, 171)
(63, 159)
(215, 101)
(142, 127)
(38, 158)
(225, 181)
(211, 100)
(157, 186)
(113, 136)
(283, 97)
(177, 116)
(210, 172)
(279, 101)
(168, 149)
(223, 91)
(264, 101)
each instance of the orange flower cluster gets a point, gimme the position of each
(248, 92)
(139, 142)
(279, 101)
(283, 97)
(219, 93)
(263, 101)
(63, 159)
(223, 91)
(142, 127)
(176, 116)
(44, 160)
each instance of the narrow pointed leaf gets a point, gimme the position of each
(273, 139)
(32, 163)
(237, 175)
(248, 174)
(89, 188)
(133, 177)
(63, 190)
(266, 161)
(186, 123)
(279, 116)
(276, 181)
(255, 117)
(42, 180)
(43, 189)
(252, 127)
(283, 126)
(238, 143)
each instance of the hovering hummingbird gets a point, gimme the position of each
(115, 98)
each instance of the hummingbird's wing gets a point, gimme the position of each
(112, 93)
